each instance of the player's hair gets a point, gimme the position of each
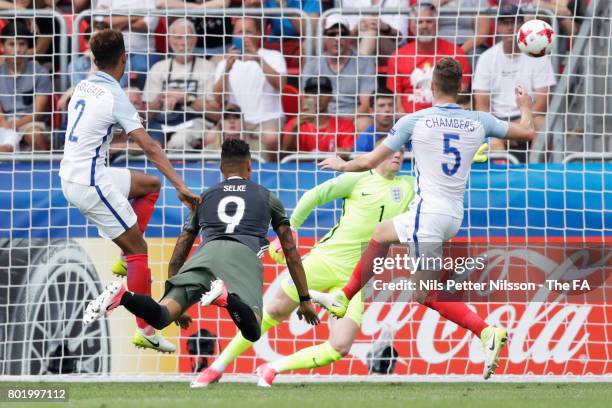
(447, 76)
(18, 30)
(107, 47)
(234, 151)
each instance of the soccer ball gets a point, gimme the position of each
(535, 38)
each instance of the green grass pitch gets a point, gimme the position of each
(332, 395)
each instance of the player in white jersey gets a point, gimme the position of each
(102, 194)
(444, 140)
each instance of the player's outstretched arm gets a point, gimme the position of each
(364, 162)
(525, 130)
(296, 270)
(183, 245)
(338, 187)
(331, 190)
(154, 152)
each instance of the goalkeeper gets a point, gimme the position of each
(368, 198)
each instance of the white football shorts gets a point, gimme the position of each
(425, 232)
(106, 204)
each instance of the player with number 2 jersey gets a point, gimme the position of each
(103, 194)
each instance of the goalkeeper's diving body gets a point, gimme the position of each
(368, 198)
(444, 140)
(226, 269)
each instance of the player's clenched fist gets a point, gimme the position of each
(183, 321)
(523, 99)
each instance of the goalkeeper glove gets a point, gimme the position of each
(275, 250)
(481, 155)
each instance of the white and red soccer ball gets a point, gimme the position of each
(535, 38)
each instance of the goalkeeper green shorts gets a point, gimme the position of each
(320, 277)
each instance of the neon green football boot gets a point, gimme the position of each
(493, 339)
(119, 267)
(155, 342)
(334, 302)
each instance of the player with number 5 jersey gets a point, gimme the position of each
(102, 194)
(444, 140)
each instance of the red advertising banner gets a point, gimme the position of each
(557, 338)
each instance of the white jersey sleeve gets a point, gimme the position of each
(401, 132)
(124, 112)
(493, 127)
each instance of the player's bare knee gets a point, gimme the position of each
(281, 306)
(140, 246)
(132, 242)
(342, 346)
(143, 248)
(270, 140)
(154, 184)
(270, 145)
(276, 311)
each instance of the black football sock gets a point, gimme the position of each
(146, 308)
(244, 318)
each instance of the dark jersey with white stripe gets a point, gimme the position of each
(239, 210)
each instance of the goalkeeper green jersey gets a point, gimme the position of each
(368, 198)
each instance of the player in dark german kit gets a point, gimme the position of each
(226, 269)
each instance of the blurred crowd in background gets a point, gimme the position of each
(197, 81)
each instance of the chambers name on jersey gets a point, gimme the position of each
(444, 139)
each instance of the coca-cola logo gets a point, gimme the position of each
(511, 273)
(539, 332)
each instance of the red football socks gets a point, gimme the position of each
(139, 279)
(459, 313)
(364, 269)
(139, 274)
(144, 207)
